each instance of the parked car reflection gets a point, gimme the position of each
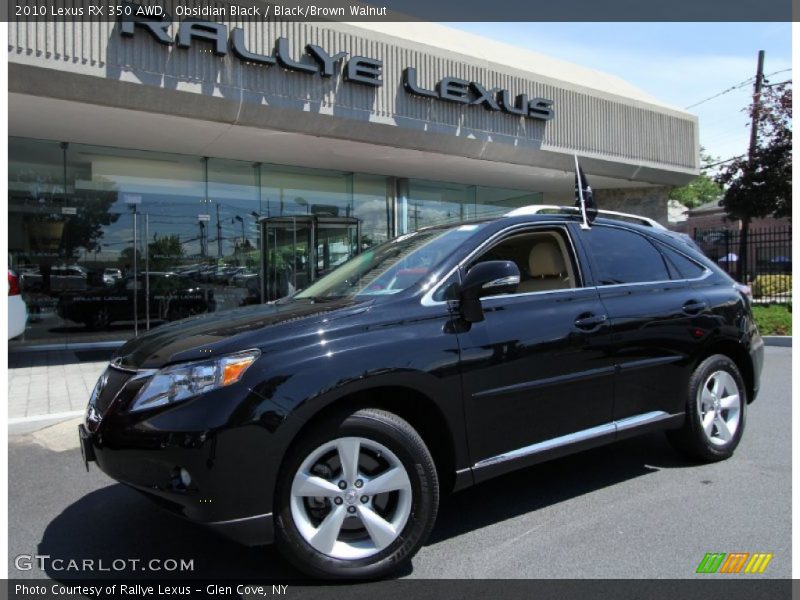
(55, 279)
(172, 297)
(111, 276)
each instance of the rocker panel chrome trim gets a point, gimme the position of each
(576, 437)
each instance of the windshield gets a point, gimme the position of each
(391, 267)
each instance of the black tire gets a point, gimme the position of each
(400, 438)
(178, 313)
(691, 439)
(99, 320)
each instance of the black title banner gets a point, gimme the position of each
(416, 589)
(408, 10)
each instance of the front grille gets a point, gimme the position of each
(111, 382)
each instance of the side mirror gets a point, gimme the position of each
(486, 279)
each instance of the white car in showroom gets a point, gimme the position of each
(17, 311)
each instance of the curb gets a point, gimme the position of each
(783, 341)
(26, 425)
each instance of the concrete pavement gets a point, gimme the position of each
(41, 383)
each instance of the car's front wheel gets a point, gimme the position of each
(715, 411)
(357, 496)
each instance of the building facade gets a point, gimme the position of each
(159, 145)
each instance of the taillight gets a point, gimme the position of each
(13, 284)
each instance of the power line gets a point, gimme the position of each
(777, 84)
(736, 87)
(723, 92)
(722, 162)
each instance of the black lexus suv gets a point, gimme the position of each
(331, 421)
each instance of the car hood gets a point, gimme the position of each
(210, 335)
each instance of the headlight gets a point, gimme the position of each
(185, 380)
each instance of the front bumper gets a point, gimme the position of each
(197, 458)
(156, 474)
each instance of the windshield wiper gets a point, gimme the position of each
(320, 299)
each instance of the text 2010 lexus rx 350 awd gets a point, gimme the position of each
(330, 422)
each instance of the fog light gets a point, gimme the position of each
(186, 479)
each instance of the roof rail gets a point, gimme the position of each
(536, 209)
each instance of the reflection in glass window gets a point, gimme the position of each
(83, 219)
(392, 267)
(436, 203)
(287, 191)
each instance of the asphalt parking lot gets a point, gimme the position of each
(631, 510)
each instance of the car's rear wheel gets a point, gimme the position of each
(715, 411)
(357, 497)
(99, 319)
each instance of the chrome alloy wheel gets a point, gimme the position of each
(351, 498)
(719, 404)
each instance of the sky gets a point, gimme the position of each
(678, 63)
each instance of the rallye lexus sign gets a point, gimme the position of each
(360, 70)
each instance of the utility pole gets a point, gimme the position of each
(135, 273)
(147, 270)
(203, 248)
(756, 105)
(741, 264)
(219, 235)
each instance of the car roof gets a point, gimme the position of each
(570, 214)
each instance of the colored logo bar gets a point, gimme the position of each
(735, 562)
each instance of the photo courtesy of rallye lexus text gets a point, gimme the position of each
(332, 421)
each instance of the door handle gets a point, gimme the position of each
(590, 321)
(694, 307)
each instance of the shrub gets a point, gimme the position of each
(772, 285)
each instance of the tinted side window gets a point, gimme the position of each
(543, 257)
(622, 256)
(687, 268)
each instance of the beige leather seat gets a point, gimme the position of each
(547, 269)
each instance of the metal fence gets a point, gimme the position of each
(766, 264)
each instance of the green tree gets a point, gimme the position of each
(85, 229)
(165, 252)
(760, 185)
(701, 189)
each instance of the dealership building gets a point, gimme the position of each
(163, 145)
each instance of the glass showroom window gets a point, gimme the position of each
(110, 242)
(316, 221)
(102, 237)
(36, 232)
(140, 212)
(435, 202)
(372, 205)
(235, 207)
(494, 202)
